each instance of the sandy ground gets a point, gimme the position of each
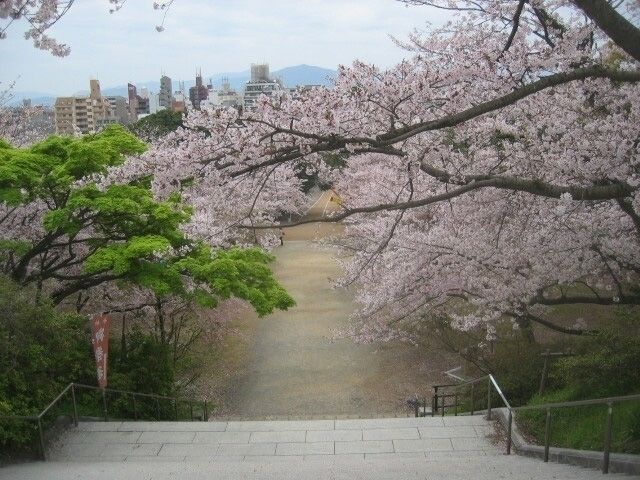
(288, 364)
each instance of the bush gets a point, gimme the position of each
(517, 366)
(144, 366)
(41, 351)
(604, 365)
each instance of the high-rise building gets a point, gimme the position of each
(138, 104)
(198, 93)
(165, 95)
(133, 101)
(178, 103)
(260, 72)
(119, 110)
(227, 96)
(260, 84)
(154, 103)
(83, 114)
(94, 86)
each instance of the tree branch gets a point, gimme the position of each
(618, 28)
(535, 187)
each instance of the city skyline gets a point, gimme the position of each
(126, 47)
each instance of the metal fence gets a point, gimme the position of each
(78, 400)
(447, 397)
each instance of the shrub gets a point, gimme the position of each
(41, 351)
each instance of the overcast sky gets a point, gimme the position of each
(214, 35)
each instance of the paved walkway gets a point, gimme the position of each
(296, 370)
(454, 448)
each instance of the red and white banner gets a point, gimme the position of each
(100, 342)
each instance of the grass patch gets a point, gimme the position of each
(583, 427)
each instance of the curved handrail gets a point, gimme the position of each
(497, 387)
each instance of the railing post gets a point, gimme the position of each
(547, 435)
(135, 407)
(104, 404)
(509, 427)
(435, 397)
(157, 409)
(43, 455)
(455, 402)
(191, 409)
(473, 397)
(434, 403)
(175, 408)
(75, 405)
(607, 438)
(489, 398)
(206, 411)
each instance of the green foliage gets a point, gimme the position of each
(129, 235)
(520, 383)
(143, 366)
(49, 168)
(583, 427)
(41, 351)
(604, 365)
(157, 124)
(242, 273)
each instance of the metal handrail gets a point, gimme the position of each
(56, 400)
(127, 392)
(499, 390)
(580, 403)
(72, 386)
(491, 382)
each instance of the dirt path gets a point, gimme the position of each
(295, 369)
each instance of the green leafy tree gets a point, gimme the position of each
(65, 233)
(157, 124)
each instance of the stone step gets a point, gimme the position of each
(513, 468)
(426, 447)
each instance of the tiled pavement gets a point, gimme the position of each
(454, 448)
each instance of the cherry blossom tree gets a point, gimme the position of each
(23, 125)
(496, 166)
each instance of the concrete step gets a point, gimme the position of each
(513, 468)
(458, 447)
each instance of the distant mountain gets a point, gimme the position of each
(37, 98)
(305, 75)
(290, 77)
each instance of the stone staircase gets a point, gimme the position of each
(463, 447)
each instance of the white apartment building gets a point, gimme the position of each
(260, 84)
